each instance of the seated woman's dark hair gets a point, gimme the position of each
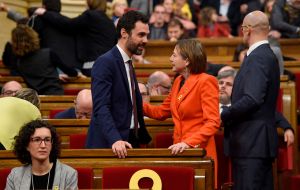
(23, 138)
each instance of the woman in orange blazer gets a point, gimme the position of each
(193, 101)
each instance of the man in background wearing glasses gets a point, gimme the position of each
(10, 88)
(83, 107)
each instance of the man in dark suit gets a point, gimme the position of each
(250, 135)
(116, 123)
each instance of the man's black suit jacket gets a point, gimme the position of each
(250, 129)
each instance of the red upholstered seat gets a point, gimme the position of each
(294, 182)
(85, 178)
(77, 141)
(173, 178)
(53, 113)
(163, 140)
(4, 172)
(297, 76)
(280, 101)
(285, 158)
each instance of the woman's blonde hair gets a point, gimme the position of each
(24, 40)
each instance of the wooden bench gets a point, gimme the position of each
(101, 158)
(217, 50)
(66, 127)
(49, 103)
(73, 84)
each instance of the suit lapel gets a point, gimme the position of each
(186, 88)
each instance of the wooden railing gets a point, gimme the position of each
(101, 158)
(66, 127)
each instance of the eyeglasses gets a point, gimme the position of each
(248, 26)
(221, 83)
(10, 92)
(81, 115)
(38, 140)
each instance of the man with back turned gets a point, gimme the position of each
(250, 136)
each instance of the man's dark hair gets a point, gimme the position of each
(23, 138)
(52, 5)
(128, 20)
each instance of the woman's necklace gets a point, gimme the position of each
(47, 182)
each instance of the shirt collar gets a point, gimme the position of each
(124, 55)
(255, 45)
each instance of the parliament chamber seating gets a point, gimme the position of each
(77, 141)
(85, 177)
(98, 159)
(4, 172)
(172, 177)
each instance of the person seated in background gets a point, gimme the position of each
(83, 107)
(37, 146)
(159, 83)
(15, 112)
(38, 66)
(182, 9)
(226, 81)
(10, 88)
(285, 18)
(175, 30)
(209, 26)
(144, 92)
(169, 14)
(118, 9)
(158, 29)
(225, 78)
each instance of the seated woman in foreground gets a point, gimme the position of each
(37, 146)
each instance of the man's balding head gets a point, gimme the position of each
(159, 83)
(84, 104)
(255, 27)
(10, 88)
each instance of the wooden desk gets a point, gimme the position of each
(101, 158)
(66, 127)
(217, 50)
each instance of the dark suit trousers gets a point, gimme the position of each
(252, 174)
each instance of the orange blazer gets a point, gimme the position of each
(195, 112)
